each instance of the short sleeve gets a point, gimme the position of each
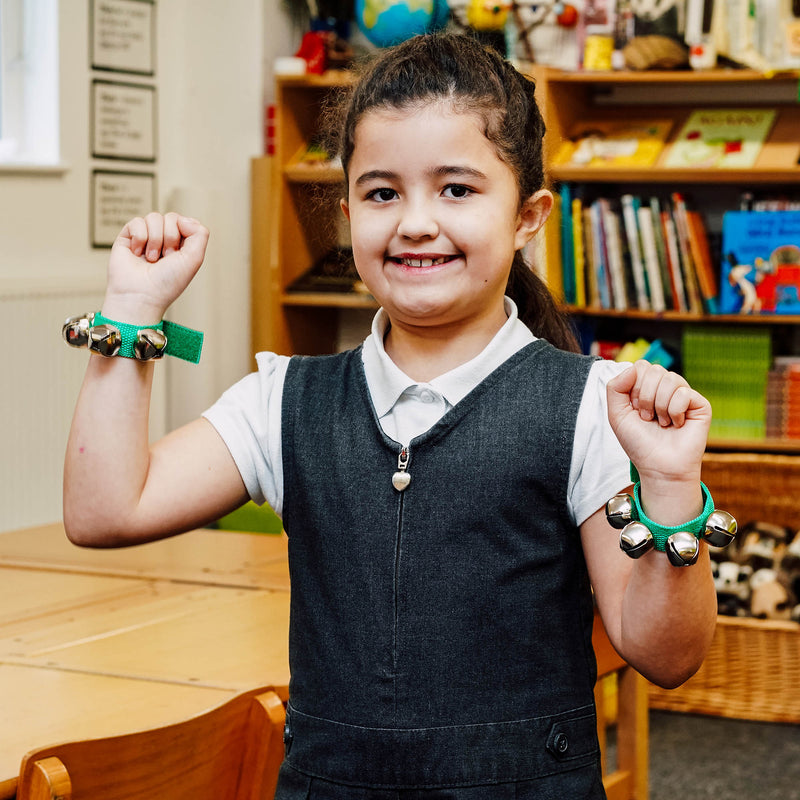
(600, 468)
(248, 418)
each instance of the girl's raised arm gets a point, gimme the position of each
(659, 617)
(118, 490)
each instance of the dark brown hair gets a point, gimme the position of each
(456, 66)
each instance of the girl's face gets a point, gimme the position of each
(435, 216)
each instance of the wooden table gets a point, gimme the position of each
(100, 642)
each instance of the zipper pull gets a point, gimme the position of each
(401, 478)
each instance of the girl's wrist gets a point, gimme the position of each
(131, 311)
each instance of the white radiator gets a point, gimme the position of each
(41, 377)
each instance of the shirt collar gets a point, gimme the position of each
(386, 381)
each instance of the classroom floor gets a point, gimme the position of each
(695, 757)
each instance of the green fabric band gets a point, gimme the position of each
(661, 533)
(184, 343)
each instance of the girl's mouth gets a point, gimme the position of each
(420, 261)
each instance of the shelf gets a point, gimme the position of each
(683, 317)
(670, 76)
(785, 446)
(665, 175)
(329, 300)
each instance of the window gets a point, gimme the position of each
(29, 82)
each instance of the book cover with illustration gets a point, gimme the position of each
(760, 262)
(727, 138)
(615, 143)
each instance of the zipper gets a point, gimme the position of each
(400, 480)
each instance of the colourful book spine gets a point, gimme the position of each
(645, 219)
(629, 205)
(661, 249)
(580, 255)
(599, 249)
(693, 295)
(674, 261)
(703, 261)
(610, 223)
(567, 244)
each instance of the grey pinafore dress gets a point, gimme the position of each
(440, 636)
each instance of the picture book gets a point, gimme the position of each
(615, 143)
(725, 138)
(760, 262)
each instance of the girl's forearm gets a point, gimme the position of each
(668, 617)
(107, 453)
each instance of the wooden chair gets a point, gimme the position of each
(629, 779)
(232, 752)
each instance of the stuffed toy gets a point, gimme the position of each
(763, 545)
(769, 598)
(732, 582)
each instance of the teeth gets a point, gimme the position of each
(423, 262)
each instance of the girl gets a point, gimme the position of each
(443, 485)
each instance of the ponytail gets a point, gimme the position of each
(537, 308)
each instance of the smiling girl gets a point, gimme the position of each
(443, 485)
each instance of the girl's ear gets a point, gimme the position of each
(345, 208)
(533, 214)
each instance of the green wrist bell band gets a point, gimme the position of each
(661, 533)
(639, 534)
(109, 337)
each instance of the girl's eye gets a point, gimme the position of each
(457, 191)
(382, 195)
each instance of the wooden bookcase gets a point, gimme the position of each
(576, 98)
(295, 206)
(294, 222)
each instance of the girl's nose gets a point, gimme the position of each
(417, 221)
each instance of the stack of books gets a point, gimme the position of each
(633, 253)
(783, 399)
(729, 366)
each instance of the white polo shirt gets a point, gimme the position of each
(248, 415)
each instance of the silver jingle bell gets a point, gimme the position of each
(150, 344)
(682, 549)
(76, 330)
(720, 529)
(105, 340)
(619, 511)
(636, 539)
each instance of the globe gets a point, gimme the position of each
(388, 22)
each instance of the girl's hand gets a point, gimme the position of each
(660, 421)
(152, 261)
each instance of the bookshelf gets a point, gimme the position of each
(295, 204)
(571, 101)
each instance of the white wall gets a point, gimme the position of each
(212, 63)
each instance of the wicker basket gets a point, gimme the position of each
(753, 669)
(752, 672)
(755, 486)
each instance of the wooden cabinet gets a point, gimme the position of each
(295, 222)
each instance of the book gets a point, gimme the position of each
(631, 226)
(611, 231)
(615, 143)
(645, 218)
(589, 250)
(580, 256)
(693, 297)
(725, 138)
(661, 249)
(567, 243)
(703, 260)
(681, 302)
(760, 262)
(599, 257)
